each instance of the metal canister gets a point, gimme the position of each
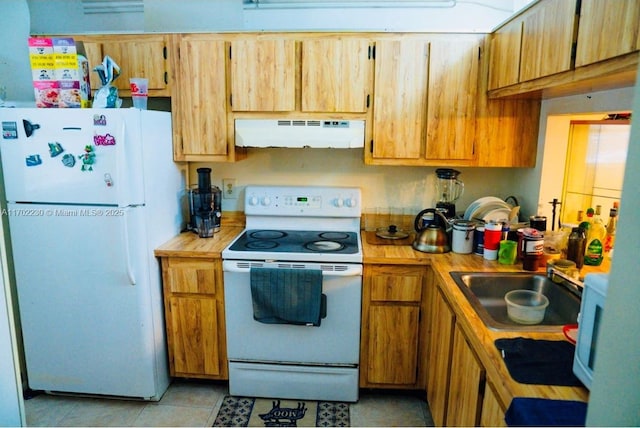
(463, 236)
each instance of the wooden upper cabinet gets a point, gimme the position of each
(336, 75)
(424, 100)
(504, 48)
(202, 98)
(451, 105)
(263, 74)
(400, 98)
(547, 38)
(607, 29)
(139, 55)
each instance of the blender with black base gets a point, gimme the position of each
(205, 205)
(448, 190)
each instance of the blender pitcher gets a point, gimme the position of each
(448, 190)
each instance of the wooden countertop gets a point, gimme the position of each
(482, 339)
(188, 244)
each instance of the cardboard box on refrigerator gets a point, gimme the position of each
(60, 74)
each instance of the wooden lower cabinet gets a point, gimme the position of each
(458, 390)
(393, 339)
(492, 413)
(466, 385)
(441, 325)
(194, 317)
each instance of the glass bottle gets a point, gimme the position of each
(611, 230)
(576, 246)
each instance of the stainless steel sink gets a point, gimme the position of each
(485, 292)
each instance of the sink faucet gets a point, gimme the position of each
(572, 284)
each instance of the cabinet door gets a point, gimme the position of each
(466, 387)
(393, 344)
(142, 58)
(547, 38)
(263, 75)
(492, 412)
(441, 324)
(335, 75)
(607, 29)
(194, 333)
(139, 55)
(451, 105)
(202, 97)
(400, 98)
(504, 50)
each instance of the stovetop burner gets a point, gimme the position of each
(294, 241)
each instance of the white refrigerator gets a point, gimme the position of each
(89, 194)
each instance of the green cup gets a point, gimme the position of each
(507, 252)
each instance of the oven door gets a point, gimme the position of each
(335, 342)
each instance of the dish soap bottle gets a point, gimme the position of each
(595, 237)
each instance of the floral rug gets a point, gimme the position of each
(262, 412)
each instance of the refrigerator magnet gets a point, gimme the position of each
(104, 140)
(88, 158)
(99, 120)
(33, 160)
(9, 130)
(55, 149)
(68, 160)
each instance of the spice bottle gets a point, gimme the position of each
(576, 246)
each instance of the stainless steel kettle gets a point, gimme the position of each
(434, 237)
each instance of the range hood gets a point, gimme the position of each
(294, 133)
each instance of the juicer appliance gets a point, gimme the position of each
(448, 190)
(205, 205)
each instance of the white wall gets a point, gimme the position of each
(615, 393)
(66, 16)
(409, 187)
(15, 70)
(11, 403)
(544, 182)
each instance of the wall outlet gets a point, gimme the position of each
(229, 188)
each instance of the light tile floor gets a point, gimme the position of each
(196, 403)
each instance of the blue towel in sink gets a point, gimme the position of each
(287, 296)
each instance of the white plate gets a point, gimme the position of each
(497, 215)
(485, 208)
(478, 203)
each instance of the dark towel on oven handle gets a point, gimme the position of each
(287, 296)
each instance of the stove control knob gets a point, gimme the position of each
(253, 200)
(351, 202)
(339, 202)
(266, 201)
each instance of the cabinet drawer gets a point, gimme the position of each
(401, 286)
(186, 275)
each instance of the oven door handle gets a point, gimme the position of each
(327, 270)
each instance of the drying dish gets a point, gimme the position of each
(479, 209)
(526, 306)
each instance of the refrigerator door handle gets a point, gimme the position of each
(127, 250)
